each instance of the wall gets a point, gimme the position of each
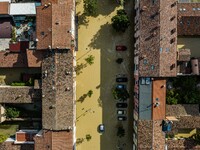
(2, 111)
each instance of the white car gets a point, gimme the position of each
(121, 112)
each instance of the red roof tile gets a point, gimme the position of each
(4, 8)
(53, 28)
(28, 59)
(55, 140)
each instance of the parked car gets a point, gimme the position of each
(122, 79)
(121, 105)
(121, 112)
(122, 118)
(101, 128)
(122, 99)
(120, 75)
(120, 86)
(121, 48)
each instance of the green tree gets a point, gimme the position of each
(3, 138)
(120, 22)
(88, 137)
(11, 112)
(172, 97)
(90, 7)
(90, 92)
(90, 59)
(120, 131)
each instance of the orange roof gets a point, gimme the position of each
(34, 58)
(4, 8)
(28, 59)
(53, 28)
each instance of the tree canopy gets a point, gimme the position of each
(120, 22)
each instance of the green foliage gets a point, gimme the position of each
(13, 39)
(11, 112)
(172, 97)
(30, 82)
(90, 7)
(90, 59)
(88, 137)
(119, 60)
(120, 93)
(3, 138)
(120, 131)
(185, 90)
(120, 22)
(196, 137)
(79, 140)
(18, 84)
(90, 92)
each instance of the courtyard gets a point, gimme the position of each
(99, 40)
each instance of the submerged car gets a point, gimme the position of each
(122, 79)
(120, 86)
(122, 118)
(121, 112)
(121, 105)
(101, 128)
(121, 48)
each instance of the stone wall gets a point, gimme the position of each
(19, 94)
(2, 116)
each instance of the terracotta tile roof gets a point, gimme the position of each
(150, 135)
(182, 110)
(53, 29)
(184, 55)
(29, 59)
(34, 58)
(157, 38)
(11, 146)
(4, 8)
(184, 144)
(57, 88)
(44, 27)
(145, 130)
(55, 140)
(159, 96)
(188, 19)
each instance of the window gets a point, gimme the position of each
(152, 67)
(167, 49)
(136, 67)
(154, 2)
(145, 61)
(160, 49)
(142, 81)
(42, 33)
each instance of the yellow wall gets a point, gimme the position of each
(186, 135)
(190, 43)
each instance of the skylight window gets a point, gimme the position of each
(145, 61)
(152, 67)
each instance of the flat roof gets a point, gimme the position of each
(22, 9)
(4, 8)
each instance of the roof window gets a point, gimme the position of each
(145, 61)
(160, 49)
(42, 33)
(152, 67)
(167, 49)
